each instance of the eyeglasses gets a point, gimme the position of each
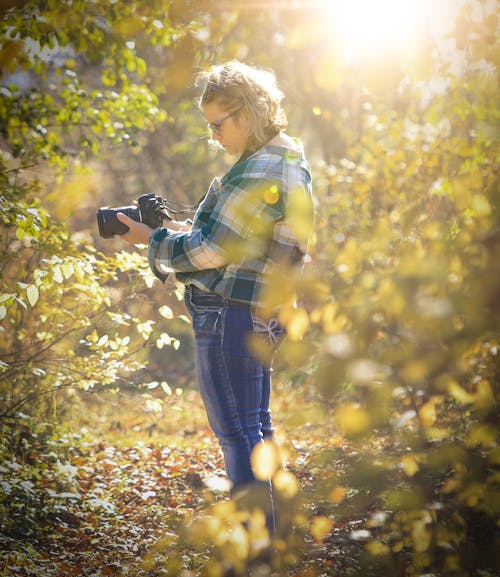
(216, 127)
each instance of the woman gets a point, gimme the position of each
(246, 228)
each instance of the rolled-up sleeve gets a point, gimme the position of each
(183, 252)
(158, 269)
(233, 224)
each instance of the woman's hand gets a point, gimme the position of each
(138, 233)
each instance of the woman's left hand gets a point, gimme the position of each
(138, 233)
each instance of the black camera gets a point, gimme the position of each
(150, 210)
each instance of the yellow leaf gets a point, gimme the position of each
(213, 569)
(128, 26)
(265, 460)
(482, 436)
(422, 535)
(484, 395)
(300, 215)
(377, 548)
(296, 322)
(329, 314)
(286, 484)
(320, 527)
(472, 494)
(427, 413)
(410, 465)
(352, 419)
(239, 542)
(481, 205)
(337, 495)
(166, 312)
(451, 486)
(224, 509)
(459, 394)
(11, 53)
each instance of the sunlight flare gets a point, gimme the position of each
(367, 27)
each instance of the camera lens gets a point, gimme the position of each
(108, 223)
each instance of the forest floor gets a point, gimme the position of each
(137, 470)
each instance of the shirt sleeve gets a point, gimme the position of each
(237, 226)
(154, 241)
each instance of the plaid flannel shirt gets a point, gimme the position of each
(243, 227)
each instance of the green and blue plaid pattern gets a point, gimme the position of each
(245, 225)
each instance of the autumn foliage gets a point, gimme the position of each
(387, 386)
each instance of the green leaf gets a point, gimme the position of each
(7, 297)
(67, 269)
(32, 294)
(57, 274)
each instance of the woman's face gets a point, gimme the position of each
(232, 132)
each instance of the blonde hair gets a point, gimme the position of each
(236, 86)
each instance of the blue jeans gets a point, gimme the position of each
(235, 385)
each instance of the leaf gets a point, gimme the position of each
(166, 312)
(166, 388)
(164, 339)
(460, 394)
(145, 329)
(296, 322)
(377, 548)
(32, 294)
(352, 419)
(57, 274)
(102, 341)
(286, 484)
(482, 436)
(484, 397)
(265, 460)
(410, 465)
(422, 535)
(4, 297)
(67, 269)
(337, 495)
(427, 414)
(320, 527)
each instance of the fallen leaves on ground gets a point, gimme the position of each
(133, 479)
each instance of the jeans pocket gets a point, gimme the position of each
(269, 329)
(205, 319)
(208, 321)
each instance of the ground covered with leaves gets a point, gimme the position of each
(115, 493)
(135, 487)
